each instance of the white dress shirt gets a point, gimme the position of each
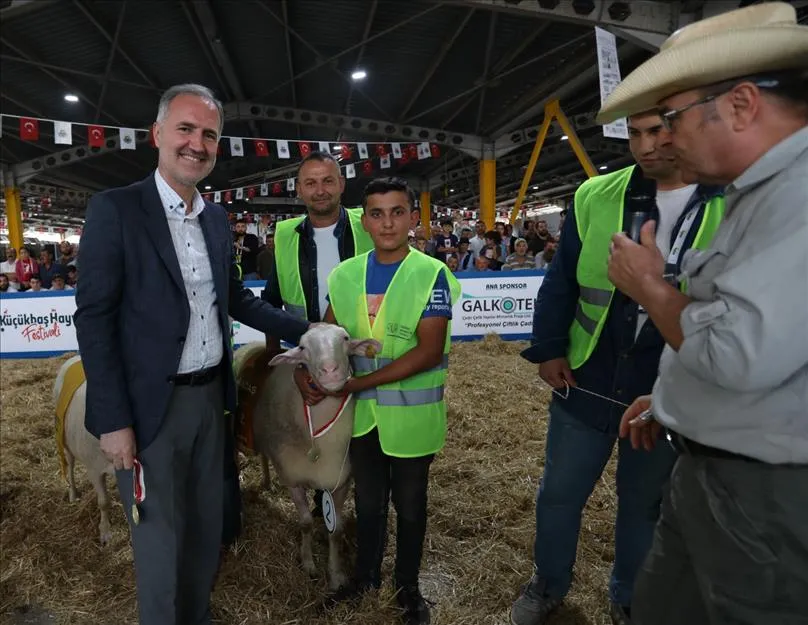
(203, 342)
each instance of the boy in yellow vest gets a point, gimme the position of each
(404, 300)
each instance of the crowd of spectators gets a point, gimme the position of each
(21, 271)
(463, 247)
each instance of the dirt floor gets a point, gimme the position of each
(479, 541)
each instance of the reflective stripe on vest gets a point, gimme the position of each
(287, 258)
(599, 207)
(596, 297)
(361, 364)
(385, 397)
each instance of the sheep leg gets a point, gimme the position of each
(336, 572)
(306, 523)
(73, 494)
(99, 481)
(266, 483)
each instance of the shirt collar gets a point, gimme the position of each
(173, 204)
(772, 162)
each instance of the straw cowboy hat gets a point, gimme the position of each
(753, 40)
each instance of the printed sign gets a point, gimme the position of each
(496, 302)
(37, 322)
(609, 73)
(41, 324)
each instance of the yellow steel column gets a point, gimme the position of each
(14, 217)
(426, 212)
(488, 187)
(534, 158)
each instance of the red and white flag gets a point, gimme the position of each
(95, 136)
(29, 129)
(261, 148)
(283, 149)
(362, 149)
(305, 149)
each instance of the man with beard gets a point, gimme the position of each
(245, 246)
(307, 249)
(158, 285)
(598, 351)
(541, 236)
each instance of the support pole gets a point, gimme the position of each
(13, 212)
(534, 158)
(426, 212)
(575, 143)
(488, 187)
(552, 110)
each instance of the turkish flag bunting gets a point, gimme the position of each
(346, 151)
(261, 148)
(368, 168)
(380, 149)
(305, 149)
(95, 136)
(276, 188)
(435, 150)
(251, 192)
(412, 150)
(405, 158)
(207, 197)
(29, 129)
(228, 196)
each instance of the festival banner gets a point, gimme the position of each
(35, 325)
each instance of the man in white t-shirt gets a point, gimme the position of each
(9, 266)
(598, 351)
(307, 249)
(477, 242)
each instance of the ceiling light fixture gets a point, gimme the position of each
(359, 74)
(564, 137)
(208, 187)
(603, 167)
(71, 98)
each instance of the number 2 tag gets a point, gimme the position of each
(329, 512)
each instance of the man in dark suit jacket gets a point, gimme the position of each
(158, 283)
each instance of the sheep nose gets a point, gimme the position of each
(330, 367)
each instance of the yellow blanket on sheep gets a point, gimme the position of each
(74, 378)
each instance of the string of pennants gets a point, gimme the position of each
(96, 136)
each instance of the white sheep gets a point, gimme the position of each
(80, 444)
(281, 431)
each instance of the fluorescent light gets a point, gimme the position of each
(71, 98)
(359, 74)
(451, 190)
(564, 137)
(336, 148)
(208, 187)
(602, 167)
(535, 186)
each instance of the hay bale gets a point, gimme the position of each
(479, 543)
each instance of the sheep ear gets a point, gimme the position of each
(364, 347)
(290, 357)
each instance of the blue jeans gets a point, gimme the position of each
(575, 455)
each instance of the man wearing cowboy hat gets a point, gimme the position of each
(731, 545)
